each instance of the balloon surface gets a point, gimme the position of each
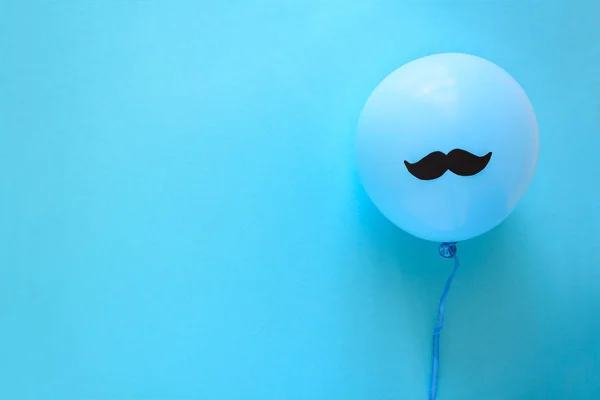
(446, 146)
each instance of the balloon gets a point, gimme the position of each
(446, 146)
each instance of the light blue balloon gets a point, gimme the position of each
(441, 103)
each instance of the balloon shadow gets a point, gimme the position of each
(413, 256)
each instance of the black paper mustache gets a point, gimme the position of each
(458, 161)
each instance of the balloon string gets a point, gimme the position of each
(447, 250)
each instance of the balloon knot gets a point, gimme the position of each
(448, 250)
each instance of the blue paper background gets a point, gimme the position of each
(180, 215)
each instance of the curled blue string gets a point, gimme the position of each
(447, 250)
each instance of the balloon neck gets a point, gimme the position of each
(448, 250)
